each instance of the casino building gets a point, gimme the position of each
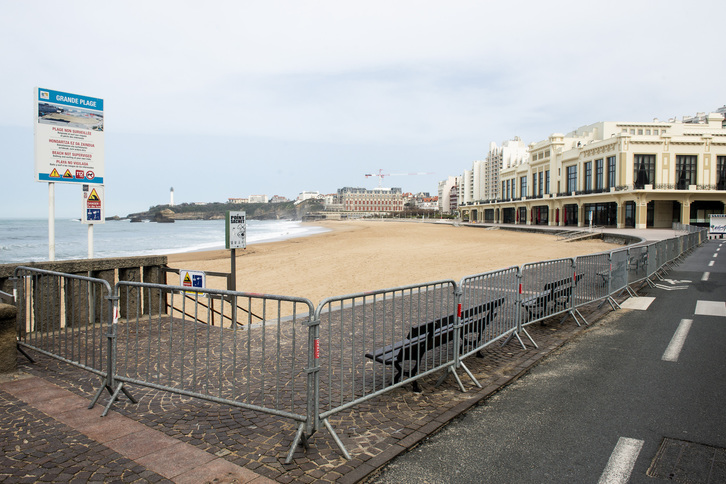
(617, 174)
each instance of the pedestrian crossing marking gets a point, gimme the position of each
(639, 303)
(711, 308)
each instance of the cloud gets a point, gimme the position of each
(412, 86)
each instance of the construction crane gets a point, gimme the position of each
(380, 175)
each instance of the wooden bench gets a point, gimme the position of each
(557, 293)
(430, 335)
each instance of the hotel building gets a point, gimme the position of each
(617, 174)
(376, 201)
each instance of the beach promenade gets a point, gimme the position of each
(49, 435)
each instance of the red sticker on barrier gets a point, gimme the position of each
(458, 310)
(316, 351)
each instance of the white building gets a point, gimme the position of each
(445, 187)
(258, 199)
(620, 174)
(308, 195)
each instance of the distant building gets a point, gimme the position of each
(308, 195)
(238, 200)
(445, 187)
(378, 200)
(278, 199)
(258, 199)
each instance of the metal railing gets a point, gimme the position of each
(67, 317)
(283, 356)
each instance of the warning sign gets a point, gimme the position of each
(67, 174)
(193, 279)
(93, 205)
(54, 174)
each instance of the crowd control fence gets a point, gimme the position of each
(285, 357)
(261, 359)
(372, 342)
(65, 316)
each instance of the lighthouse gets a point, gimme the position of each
(171, 197)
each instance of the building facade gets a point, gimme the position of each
(618, 174)
(376, 201)
(445, 190)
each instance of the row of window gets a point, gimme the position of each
(644, 170)
(601, 174)
(644, 131)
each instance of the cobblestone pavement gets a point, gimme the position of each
(38, 448)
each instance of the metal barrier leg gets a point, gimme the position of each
(451, 370)
(337, 439)
(114, 397)
(516, 334)
(22, 351)
(613, 303)
(299, 436)
(476, 382)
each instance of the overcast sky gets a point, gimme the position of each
(229, 99)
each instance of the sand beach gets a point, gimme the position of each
(357, 256)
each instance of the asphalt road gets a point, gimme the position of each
(633, 399)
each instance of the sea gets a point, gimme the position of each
(26, 240)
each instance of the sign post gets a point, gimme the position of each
(235, 238)
(92, 211)
(68, 133)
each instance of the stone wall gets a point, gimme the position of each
(8, 352)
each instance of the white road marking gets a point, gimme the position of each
(679, 338)
(640, 303)
(621, 461)
(711, 308)
(715, 255)
(710, 264)
(705, 276)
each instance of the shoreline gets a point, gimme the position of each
(360, 256)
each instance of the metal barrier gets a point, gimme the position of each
(594, 283)
(639, 260)
(496, 294)
(546, 290)
(373, 342)
(618, 271)
(261, 361)
(66, 317)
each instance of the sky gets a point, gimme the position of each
(230, 99)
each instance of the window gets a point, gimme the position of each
(644, 170)
(611, 171)
(541, 182)
(685, 171)
(571, 178)
(647, 132)
(514, 187)
(655, 132)
(721, 173)
(588, 176)
(599, 174)
(534, 184)
(547, 181)
(523, 186)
